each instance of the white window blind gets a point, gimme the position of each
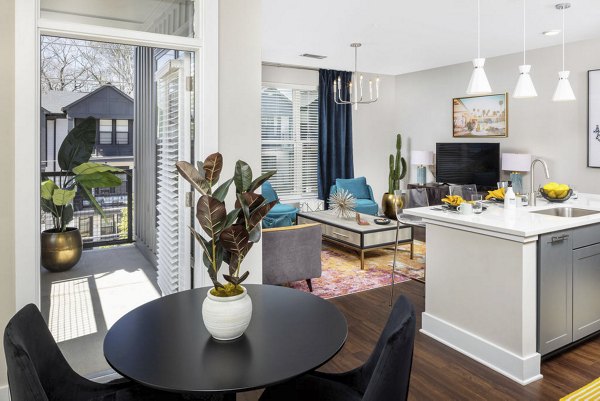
(290, 129)
(105, 132)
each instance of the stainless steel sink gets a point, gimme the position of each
(566, 212)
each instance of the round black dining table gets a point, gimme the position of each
(164, 345)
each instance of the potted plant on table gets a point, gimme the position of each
(62, 245)
(397, 172)
(227, 309)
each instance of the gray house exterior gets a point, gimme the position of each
(113, 111)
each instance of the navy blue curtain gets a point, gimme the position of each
(335, 132)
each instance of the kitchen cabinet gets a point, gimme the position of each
(568, 287)
(555, 291)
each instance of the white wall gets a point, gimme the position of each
(554, 131)
(239, 98)
(7, 166)
(374, 130)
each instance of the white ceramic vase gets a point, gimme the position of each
(226, 318)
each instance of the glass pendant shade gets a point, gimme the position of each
(524, 88)
(563, 92)
(478, 85)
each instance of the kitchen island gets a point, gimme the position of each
(483, 280)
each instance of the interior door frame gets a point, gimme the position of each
(29, 27)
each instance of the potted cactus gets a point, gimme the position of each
(397, 172)
(227, 309)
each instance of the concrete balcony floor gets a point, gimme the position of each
(80, 305)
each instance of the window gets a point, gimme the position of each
(107, 226)
(290, 127)
(122, 132)
(105, 132)
(85, 227)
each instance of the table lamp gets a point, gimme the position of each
(516, 163)
(421, 158)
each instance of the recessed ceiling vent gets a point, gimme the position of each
(317, 56)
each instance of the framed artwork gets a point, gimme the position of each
(594, 118)
(480, 116)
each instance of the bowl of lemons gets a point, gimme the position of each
(554, 192)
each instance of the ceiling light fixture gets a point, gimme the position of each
(524, 88)
(478, 85)
(552, 32)
(310, 55)
(563, 92)
(358, 97)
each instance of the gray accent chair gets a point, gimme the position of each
(291, 254)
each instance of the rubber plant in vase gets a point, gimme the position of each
(62, 245)
(228, 237)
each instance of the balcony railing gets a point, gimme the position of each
(117, 203)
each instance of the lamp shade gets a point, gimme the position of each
(479, 84)
(524, 88)
(421, 157)
(563, 92)
(516, 162)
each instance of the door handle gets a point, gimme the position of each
(559, 238)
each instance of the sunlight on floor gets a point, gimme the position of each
(71, 309)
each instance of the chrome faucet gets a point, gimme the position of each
(533, 193)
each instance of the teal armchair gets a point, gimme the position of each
(281, 215)
(365, 201)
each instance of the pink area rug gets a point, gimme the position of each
(342, 274)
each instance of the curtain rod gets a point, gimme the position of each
(297, 67)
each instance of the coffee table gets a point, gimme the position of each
(347, 232)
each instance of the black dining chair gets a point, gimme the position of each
(38, 371)
(385, 376)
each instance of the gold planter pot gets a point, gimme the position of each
(388, 204)
(61, 250)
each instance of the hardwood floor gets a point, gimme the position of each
(440, 373)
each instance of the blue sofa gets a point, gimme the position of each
(365, 201)
(281, 215)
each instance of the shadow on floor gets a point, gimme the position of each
(80, 305)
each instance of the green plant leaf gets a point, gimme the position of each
(87, 194)
(242, 176)
(244, 207)
(261, 180)
(213, 165)
(47, 189)
(255, 234)
(259, 214)
(193, 176)
(62, 197)
(231, 218)
(236, 280)
(66, 217)
(78, 145)
(221, 192)
(91, 168)
(211, 215)
(104, 179)
(200, 168)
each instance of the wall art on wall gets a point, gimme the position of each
(594, 118)
(480, 116)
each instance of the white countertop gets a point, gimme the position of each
(518, 222)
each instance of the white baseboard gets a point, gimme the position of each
(4, 394)
(523, 370)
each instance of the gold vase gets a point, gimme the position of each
(61, 250)
(389, 204)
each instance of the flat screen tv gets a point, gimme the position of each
(468, 163)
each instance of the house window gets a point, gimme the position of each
(122, 132)
(105, 132)
(290, 127)
(85, 227)
(107, 225)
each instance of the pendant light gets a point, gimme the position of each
(524, 88)
(478, 85)
(563, 91)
